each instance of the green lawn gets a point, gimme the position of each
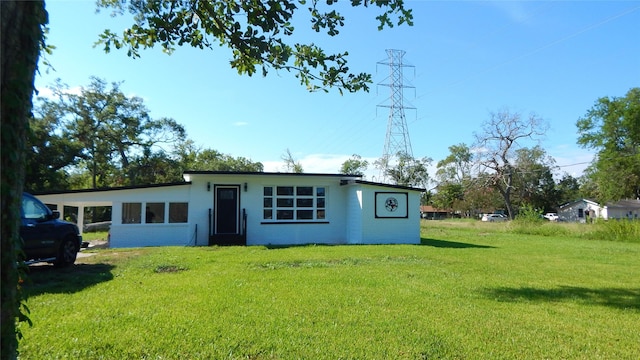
(471, 291)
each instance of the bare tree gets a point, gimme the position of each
(290, 164)
(502, 134)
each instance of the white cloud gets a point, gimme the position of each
(240, 123)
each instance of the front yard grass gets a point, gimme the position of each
(470, 291)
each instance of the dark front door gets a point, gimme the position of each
(227, 220)
(227, 210)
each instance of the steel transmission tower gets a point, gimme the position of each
(397, 139)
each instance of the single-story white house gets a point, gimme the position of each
(623, 209)
(583, 209)
(254, 208)
(579, 211)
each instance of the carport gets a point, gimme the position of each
(80, 200)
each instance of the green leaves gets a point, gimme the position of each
(100, 131)
(257, 32)
(612, 127)
(354, 166)
(408, 171)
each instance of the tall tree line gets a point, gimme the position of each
(99, 137)
(498, 172)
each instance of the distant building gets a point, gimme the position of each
(623, 209)
(583, 210)
(431, 213)
(579, 211)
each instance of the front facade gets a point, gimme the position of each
(582, 210)
(225, 208)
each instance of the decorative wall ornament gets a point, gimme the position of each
(392, 205)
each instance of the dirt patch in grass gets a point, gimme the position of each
(168, 269)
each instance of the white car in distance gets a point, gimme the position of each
(494, 217)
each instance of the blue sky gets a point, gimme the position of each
(468, 58)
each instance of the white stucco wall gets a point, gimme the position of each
(261, 232)
(354, 214)
(390, 230)
(350, 211)
(135, 235)
(155, 234)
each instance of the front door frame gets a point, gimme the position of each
(227, 226)
(221, 207)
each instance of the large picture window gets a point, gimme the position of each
(294, 203)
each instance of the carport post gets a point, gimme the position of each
(80, 218)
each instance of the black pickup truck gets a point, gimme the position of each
(45, 237)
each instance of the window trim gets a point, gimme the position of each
(291, 199)
(166, 207)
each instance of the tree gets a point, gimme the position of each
(478, 198)
(259, 34)
(22, 28)
(454, 176)
(533, 181)
(447, 195)
(111, 132)
(290, 164)
(568, 189)
(501, 136)
(49, 154)
(156, 167)
(212, 160)
(612, 127)
(456, 167)
(408, 171)
(354, 166)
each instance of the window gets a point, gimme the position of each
(178, 212)
(131, 213)
(294, 203)
(154, 213)
(32, 209)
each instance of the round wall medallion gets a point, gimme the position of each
(391, 204)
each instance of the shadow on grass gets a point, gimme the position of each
(423, 242)
(277, 247)
(49, 279)
(452, 244)
(618, 298)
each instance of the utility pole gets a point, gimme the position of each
(397, 140)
